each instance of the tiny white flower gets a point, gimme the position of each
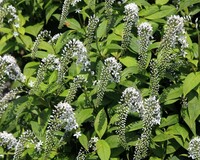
(78, 11)
(94, 139)
(15, 34)
(31, 83)
(77, 134)
(16, 25)
(38, 146)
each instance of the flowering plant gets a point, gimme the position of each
(99, 79)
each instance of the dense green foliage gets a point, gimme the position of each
(99, 79)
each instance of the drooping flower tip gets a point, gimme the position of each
(131, 97)
(7, 139)
(11, 68)
(194, 148)
(131, 7)
(131, 12)
(66, 116)
(76, 49)
(177, 22)
(145, 27)
(114, 68)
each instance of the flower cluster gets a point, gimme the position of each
(145, 32)
(108, 7)
(9, 69)
(174, 28)
(3, 14)
(77, 50)
(8, 140)
(142, 144)
(62, 117)
(114, 68)
(149, 111)
(48, 63)
(65, 10)
(150, 114)
(73, 88)
(73, 49)
(6, 99)
(13, 18)
(10, 13)
(92, 25)
(131, 101)
(20, 146)
(111, 71)
(54, 38)
(173, 33)
(194, 148)
(131, 17)
(39, 38)
(131, 98)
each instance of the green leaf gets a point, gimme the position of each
(186, 3)
(161, 2)
(36, 128)
(172, 146)
(6, 47)
(119, 29)
(134, 44)
(170, 120)
(149, 10)
(26, 40)
(162, 137)
(83, 115)
(190, 82)
(178, 129)
(50, 10)
(127, 72)
(103, 150)
(128, 61)
(53, 77)
(30, 69)
(5, 30)
(172, 94)
(191, 113)
(100, 123)
(73, 24)
(113, 141)
(165, 11)
(34, 29)
(84, 141)
(113, 46)
(135, 126)
(101, 30)
(46, 46)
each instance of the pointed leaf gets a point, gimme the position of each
(100, 123)
(190, 82)
(103, 150)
